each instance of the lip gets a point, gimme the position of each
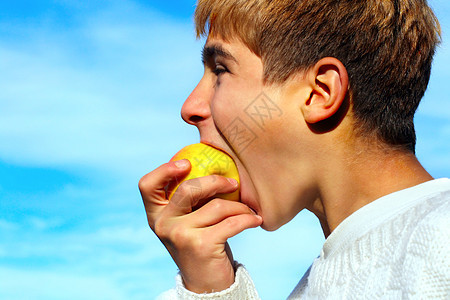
(216, 147)
(220, 149)
(243, 199)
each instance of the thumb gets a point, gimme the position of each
(152, 186)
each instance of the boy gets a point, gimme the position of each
(324, 93)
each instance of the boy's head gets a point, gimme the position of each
(386, 46)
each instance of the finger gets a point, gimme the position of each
(234, 225)
(152, 185)
(197, 191)
(218, 210)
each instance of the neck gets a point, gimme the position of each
(355, 183)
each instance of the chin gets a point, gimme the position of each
(274, 223)
(269, 228)
(249, 197)
(269, 225)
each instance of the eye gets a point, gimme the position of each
(219, 69)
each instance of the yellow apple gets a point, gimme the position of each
(206, 160)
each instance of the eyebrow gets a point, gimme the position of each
(209, 52)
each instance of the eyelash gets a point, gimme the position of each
(219, 69)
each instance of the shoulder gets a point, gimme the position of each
(427, 253)
(432, 228)
(434, 218)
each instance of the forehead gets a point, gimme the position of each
(233, 47)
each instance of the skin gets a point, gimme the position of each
(306, 157)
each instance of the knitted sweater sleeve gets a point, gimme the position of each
(242, 288)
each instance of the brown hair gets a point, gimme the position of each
(387, 47)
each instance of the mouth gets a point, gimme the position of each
(217, 147)
(245, 188)
(224, 151)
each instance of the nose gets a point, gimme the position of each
(196, 108)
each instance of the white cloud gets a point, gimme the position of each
(7, 225)
(106, 93)
(27, 284)
(117, 248)
(114, 262)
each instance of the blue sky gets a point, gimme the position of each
(90, 94)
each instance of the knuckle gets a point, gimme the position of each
(182, 195)
(217, 178)
(216, 204)
(231, 222)
(186, 240)
(143, 183)
(190, 189)
(160, 228)
(183, 188)
(220, 181)
(176, 235)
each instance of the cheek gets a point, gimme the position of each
(230, 115)
(222, 111)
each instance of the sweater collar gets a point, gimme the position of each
(379, 211)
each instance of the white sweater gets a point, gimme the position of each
(396, 247)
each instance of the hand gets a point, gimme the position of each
(196, 239)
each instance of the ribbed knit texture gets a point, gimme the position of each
(242, 288)
(396, 247)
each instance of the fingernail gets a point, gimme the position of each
(181, 164)
(233, 181)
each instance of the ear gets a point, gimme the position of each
(328, 80)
